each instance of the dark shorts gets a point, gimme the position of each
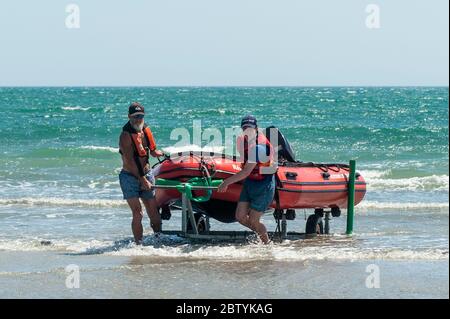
(131, 188)
(258, 193)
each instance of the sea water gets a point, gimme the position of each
(61, 203)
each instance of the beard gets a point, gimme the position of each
(138, 127)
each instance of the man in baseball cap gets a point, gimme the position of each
(136, 145)
(259, 186)
(249, 121)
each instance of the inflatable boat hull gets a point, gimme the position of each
(299, 185)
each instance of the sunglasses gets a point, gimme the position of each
(138, 116)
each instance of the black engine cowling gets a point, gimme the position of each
(285, 152)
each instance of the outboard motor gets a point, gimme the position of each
(285, 151)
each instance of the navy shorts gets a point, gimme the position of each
(131, 188)
(258, 193)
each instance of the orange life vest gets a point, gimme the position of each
(136, 137)
(139, 149)
(244, 146)
(139, 146)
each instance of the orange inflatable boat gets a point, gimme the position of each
(299, 184)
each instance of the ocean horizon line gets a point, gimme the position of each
(224, 86)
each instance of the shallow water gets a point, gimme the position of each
(412, 262)
(43, 275)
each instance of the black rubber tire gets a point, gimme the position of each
(165, 212)
(335, 212)
(314, 225)
(200, 220)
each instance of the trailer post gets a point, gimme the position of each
(351, 197)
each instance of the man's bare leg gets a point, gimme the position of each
(152, 212)
(259, 227)
(136, 224)
(242, 211)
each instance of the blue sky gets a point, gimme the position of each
(223, 42)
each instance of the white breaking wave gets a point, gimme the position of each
(401, 206)
(375, 181)
(373, 174)
(179, 248)
(54, 245)
(281, 252)
(75, 108)
(427, 183)
(353, 254)
(103, 148)
(53, 201)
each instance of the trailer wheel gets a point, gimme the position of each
(165, 212)
(200, 221)
(314, 225)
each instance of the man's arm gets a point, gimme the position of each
(248, 168)
(153, 151)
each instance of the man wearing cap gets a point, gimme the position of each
(257, 170)
(136, 144)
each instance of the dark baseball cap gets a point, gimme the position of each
(135, 109)
(249, 121)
